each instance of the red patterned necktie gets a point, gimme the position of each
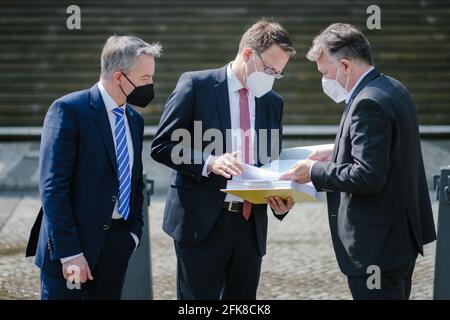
(244, 115)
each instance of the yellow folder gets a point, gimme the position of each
(257, 196)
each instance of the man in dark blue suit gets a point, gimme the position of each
(91, 178)
(219, 239)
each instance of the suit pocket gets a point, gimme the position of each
(132, 242)
(180, 186)
(180, 181)
(367, 217)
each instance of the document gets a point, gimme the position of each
(255, 184)
(255, 191)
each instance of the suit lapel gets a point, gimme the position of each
(338, 134)
(223, 101)
(369, 77)
(134, 131)
(102, 122)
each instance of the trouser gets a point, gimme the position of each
(226, 265)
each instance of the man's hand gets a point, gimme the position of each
(226, 165)
(81, 264)
(299, 172)
(279, 205)
(323, 154)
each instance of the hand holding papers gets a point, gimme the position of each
(226, 165)
(322, 152)
(301, 171)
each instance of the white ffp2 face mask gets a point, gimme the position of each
(259, 83)
(333, 89)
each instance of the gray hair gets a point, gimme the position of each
(121, 52)
(342, 41)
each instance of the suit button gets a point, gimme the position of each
(106, 227)
(113, 198)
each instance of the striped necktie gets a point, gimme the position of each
(123, 163)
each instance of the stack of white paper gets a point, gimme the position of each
(254, 184)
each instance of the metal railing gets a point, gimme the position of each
(442, 262)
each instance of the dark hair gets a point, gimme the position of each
(264, 34)
(342, 40)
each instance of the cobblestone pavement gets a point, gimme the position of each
(299, 264)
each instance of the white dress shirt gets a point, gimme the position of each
(234, 85)
(347, 99)
(110, 105)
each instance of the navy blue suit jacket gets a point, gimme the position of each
(194, 201)
(78, 180)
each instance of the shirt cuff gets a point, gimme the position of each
(205, 172)
(310, 169)
(67, 259)
(136, 240)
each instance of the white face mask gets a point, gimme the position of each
(259, 83)
(333, 89)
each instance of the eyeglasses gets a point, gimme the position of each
(269, 70)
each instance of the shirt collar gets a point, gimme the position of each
(233, 82)
(357, 83)
(110, 104)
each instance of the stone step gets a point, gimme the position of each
(41, 60)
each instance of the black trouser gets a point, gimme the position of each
(226, 265)
(395, 285)
(109, 273)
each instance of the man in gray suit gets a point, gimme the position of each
(378, 202)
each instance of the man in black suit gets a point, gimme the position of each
(220, 240)
(378, 202)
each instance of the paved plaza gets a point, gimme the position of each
(299, 264)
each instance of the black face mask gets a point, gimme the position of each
(140, 96)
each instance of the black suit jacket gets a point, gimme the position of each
(194, 201)
(377, 191)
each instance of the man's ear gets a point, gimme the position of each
(247, 54)
(116, 77)
(346, 65)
